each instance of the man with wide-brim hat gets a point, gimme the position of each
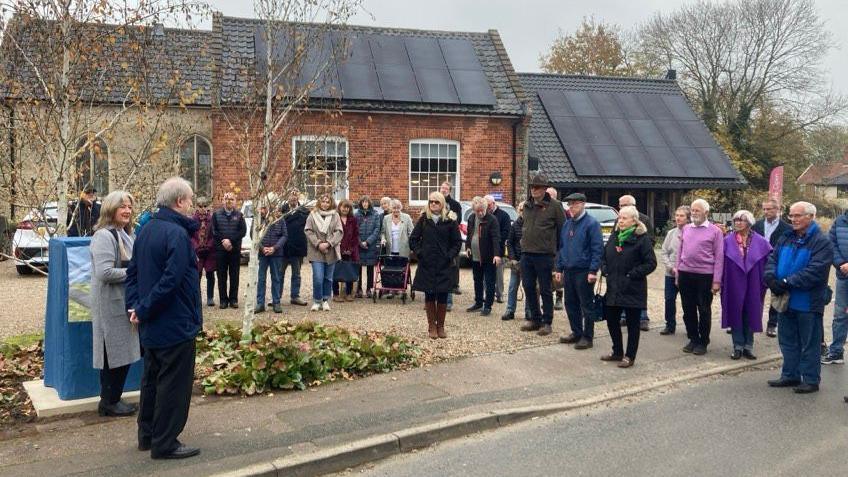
(543, 220)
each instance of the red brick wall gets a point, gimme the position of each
(378, 151)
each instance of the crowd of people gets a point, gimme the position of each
(152, 274)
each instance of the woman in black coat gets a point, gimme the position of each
(627, 261)
(436, 242)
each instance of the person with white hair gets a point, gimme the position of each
(163, 300)
(744, 289)
(699, 269)
(483, 244)
(625, 201)
(505, 222)
(798, 269)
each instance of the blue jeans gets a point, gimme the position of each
(799, 335)
(322, 281)
(275, 264)
(840, 318)
(742, 336)
(578, 301)
(671, 292)
(295, 263)
(512, 294)
(537, 268)
(484, 281)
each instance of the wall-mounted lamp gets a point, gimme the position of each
(495, 178)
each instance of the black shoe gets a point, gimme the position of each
(233, 304)
(544, 330)
(485, 312)
(728, 331)
(224, 305)
(474, 307)
(622, 322)
(737, 354)
(584, 343)
(558, 304)
(259, 309)
(805, 388)
(833, 358)
(700, 350)
(783, 383)
(457, 291)
(449, 307)
(180, 452)
(210, 302)
(748, 354)
(531, 326)
(569, 339)
(144, 445)
(508, 316)
(690, 346)
(667, 331)
(498, 299)
(644, 326)
(771, 331)
(278, 308)
(119, 409)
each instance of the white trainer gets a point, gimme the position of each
(325, 306)
(315, 307)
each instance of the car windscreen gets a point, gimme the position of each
(602, 214)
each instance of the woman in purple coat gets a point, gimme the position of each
(743, 286)
(204, 246)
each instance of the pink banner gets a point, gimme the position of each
(776, 184)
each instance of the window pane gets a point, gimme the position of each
(451, 165)
(187, 160)
(414, 150)
(452, 151)
(415, 165)
(443, 150)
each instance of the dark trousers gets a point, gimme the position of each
(696, 296)
(112, 381)
(671, 292)
(578, 302)
(484, 280)
(633, 316)
(165, 395)
(438, 297)
(799, 335)
(210, 285)
(536, 267)
(772, 318)
(369, 271)
(228, 267)
(348, 287)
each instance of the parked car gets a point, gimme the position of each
(463, 225)
(604, 214)
(30, 242)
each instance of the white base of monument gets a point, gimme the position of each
(47, 403)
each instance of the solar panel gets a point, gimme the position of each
(436, 85)
(654, 106)
(581, 104)
(679, 108)
(473, 87)
(605, 104)
(388, 50)
(672, 133)
(647, 132)
(697, 133)
(691, 161)
(397, 83)
(359, 82)
(460, 54)
(425, 53)
(352, 49)
(630, 106)
(568, 130)
(554, 103)
(622, 133)
(584, 160)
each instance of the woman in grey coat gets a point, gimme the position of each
(115, 339)
(397, 227)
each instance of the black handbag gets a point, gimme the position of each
(599, 300)
(346, 271)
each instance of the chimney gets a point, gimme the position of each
(158, 30)
(671, 75)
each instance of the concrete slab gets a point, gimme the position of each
(47, 403)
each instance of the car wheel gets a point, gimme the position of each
(23, 270)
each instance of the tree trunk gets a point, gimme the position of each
(252, 279)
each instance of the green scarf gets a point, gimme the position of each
(625, 234)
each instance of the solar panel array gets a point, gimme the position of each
(608, 133)
(378, 67)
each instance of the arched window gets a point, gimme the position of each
(196, 164)
(92, 165)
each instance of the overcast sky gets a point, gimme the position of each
(528, 27)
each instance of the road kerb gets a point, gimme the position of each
(376, 448)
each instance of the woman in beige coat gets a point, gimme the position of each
(115, 339)
(397, 227)
(324, 234)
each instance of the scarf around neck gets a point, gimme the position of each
(322, 219)
(625, 234)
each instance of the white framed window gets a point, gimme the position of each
(320, 165)
(431, 162)
(196, 164)
(92, 165)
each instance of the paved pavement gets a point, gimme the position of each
(733, 425)
(234, 432)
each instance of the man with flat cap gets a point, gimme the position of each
(543, 220)
(581, 244)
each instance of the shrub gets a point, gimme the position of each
(287, 356)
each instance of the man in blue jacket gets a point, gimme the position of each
(579, 258)
(799, 267)
(839, 240)
(163, 299)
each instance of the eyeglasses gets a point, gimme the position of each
(435, 202)
(798, 216)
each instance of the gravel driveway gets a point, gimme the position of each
(22, 301)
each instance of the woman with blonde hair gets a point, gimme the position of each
(115, 340)
(324, 234)
(627, 261)
(436, 241)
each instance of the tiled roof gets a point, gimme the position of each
(234, 41)
(546, 147)
(835, 173)
(167, 50)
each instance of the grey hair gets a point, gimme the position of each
(489, 198)
(109, 208)
(772, 201)
(686, 210)
(745, 215)
(397, 202)
(632, 212)
(629, 199)
(479, 201)
(171, 191)
(808, 207)
(704, 204)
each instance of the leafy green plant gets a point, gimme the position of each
(293, 356)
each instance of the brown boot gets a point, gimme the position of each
(349, 296)
(430, 306)
(441, 311)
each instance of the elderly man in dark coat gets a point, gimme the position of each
(163, 299)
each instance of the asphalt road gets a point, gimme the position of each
(731, 425)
